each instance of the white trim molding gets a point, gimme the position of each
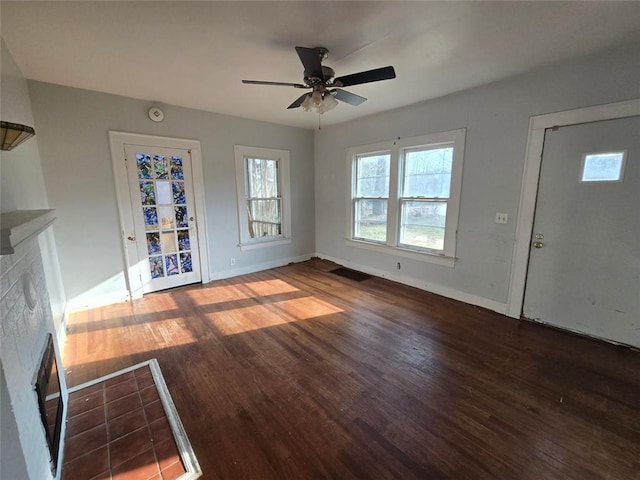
(528, 193)
(397, 150)
(221, 274)
(448, 292)
(242, 153)
(117, 142)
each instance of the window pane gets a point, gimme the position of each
(156, 267)
(177, 173)
(371, 219)
(153, 243)
(160, 167)
(423, 224)
(166, 217)
(150, 218)
(603, 167)
(144, 165)
(164, 192)
(264, 218)
(372, 175)
(168, 242)
(262, 178)
(427, 173)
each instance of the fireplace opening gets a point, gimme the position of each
(50, 400)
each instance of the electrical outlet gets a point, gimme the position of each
(232, 261)
(502, 217)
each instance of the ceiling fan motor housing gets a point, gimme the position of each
(325, 89)
(327, 72)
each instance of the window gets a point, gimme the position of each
(262, 177)
(371, 196)
(602, 167)
(425, 194)
(264, 203)
(405, 196)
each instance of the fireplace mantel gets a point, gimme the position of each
(20, 225)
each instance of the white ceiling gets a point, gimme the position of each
(194, 54)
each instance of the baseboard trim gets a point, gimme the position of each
(448, 292)
(96, 301)
(258, 267)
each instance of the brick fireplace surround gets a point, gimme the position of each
(130, 408)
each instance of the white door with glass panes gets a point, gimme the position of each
(584, 263)
(163, 210)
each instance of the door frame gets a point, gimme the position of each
(531, 176)
(117, 142)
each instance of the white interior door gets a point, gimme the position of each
(164, 216)
(584, 264)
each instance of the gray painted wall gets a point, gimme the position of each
(76, 161)
(496, 117)
(23, 445)
(22, 183)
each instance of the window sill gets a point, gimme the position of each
(403, 252)
(263, 244)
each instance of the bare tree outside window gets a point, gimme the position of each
(372, 195)
(264, 203)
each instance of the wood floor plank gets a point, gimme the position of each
(298, 373)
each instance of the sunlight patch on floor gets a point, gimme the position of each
(214, 295)
(270, 287)
(97, 346)
(308, 307)
(246, 319)
(229, 293)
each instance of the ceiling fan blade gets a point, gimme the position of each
(298, 102)
(348, 97)
(384, 73)
(282, 84)
(310, 58)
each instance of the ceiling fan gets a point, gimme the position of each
(325, 89)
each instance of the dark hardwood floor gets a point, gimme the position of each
(296, 372)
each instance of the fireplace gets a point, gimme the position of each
(50, 400)
(28, 359)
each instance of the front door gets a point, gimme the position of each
(163, 213)
(584, 264)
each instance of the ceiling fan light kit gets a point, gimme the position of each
(326, 91)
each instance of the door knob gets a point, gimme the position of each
(538, 244)
(131, 238)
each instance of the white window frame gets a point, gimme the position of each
(355, 198)
(243, 152)
(445, 257)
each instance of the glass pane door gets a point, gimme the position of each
(164, 216)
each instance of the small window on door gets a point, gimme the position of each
(602, 167)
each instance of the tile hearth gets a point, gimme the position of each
(117, 429)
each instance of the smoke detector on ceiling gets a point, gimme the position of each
(156, 114)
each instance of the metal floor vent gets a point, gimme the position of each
(351, 274)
